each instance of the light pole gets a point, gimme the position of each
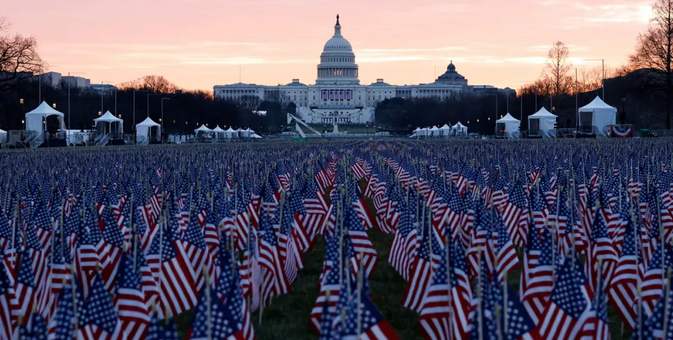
(134, 105)
(603, 75)
(496, 110)
(22, 114)
(577, 91)
(148, 102)
(162, 113)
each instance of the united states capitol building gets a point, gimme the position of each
(337, 97)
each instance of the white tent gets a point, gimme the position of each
(596, 117)
(445, 130)
(144, 130)
(434, 131)
(231, 133)
(35, 118)
(202, 128)
(106, 125)
(219, 132)
(461, 130)
(3, 136)
(507, 127)
(254, 135)
(244, 132)
(541, 123)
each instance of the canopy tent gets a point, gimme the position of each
(231, 133)
(541, 124)
(256, 136)
(35, 120)
(245, 132)
(219, 132)
(107, 125)
(3, 136)
(460, 129)
(445, 130)
(434, 131)
(507, 127)
(144, 130)
(596, 116)
(421, 132)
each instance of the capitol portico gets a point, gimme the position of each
(338, 97)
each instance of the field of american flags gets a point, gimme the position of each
(386, 240)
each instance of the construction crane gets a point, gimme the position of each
(292, 117)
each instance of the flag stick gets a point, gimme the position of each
(666, 302)
(359, 297)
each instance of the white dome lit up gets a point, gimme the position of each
(337, 61)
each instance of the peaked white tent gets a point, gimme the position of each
(231, 133)
(105, 125)
(541, 123)
(507, 127)
(3, 136)
(144, 130)
(596, 117)
(202, 128)
(35, 118)
(445, 130)
(460, 129)
(219, 132)
(434, 131)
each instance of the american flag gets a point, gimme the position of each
(288, 250)
(130, 302)
(274, 281)
(444, 314)
(569, 306)
(99, 320)
(21, 303)
(327, 298)
(597, 325)
(514, 318)
(505, 253)
(196, 251)
(600, 248)
(6, 294)
(363, 320)
(156, 331)
(360, 240)
(173, 272)
(652, 327)
(421, 270)
(217, 320)
(653, 279)
(540, 282)
(515, 215)
(623, 287)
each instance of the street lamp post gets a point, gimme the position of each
(603, 75)
(162, 113)
(496, 111)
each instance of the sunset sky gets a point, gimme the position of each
(200, 43)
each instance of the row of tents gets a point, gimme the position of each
(112, 126)
(219, 133)
(444, 131)
(594, 118)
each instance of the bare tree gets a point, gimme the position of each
(592, 79)
(18, 57)
(152, 83)
(654, 51)
(557, 69)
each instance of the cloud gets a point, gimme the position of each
(640, 13)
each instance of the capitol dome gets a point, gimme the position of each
(337, 61)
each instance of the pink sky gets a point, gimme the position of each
(200, 43)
